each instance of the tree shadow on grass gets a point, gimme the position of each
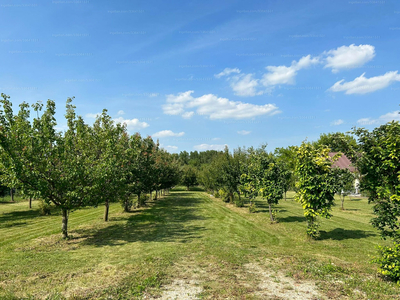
(340, 234)
(11, 224)
(169, 220)
(291, 219)
(16, 216)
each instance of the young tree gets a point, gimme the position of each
(189, 176)
(57, 166)
(141, 177)
(345, 183)
(264, 177)
(287, 158)
(338, 142)
(316, 184)
(109, 149)
(379, 166)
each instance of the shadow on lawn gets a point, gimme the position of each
(169, 220)
(291, 219)
(340, 234)
(16, 216)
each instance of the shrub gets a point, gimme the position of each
(274, 213)
(44, 208)
(389, 262)
(252, 208)
(216, 194)
(143, 199)
(239, 201)
(224, 195)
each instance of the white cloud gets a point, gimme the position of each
(216, 139)
(92, 116)
(244, 132)
(215, 107)
(286, 75)
(120, 112)
(226, 72)
(391, 116)
(337, 122)
(349, 57)
(188, 114)
(167, 133)
(204, 147)
(367, 121)
(363, 85)
(170, 148)
(133, 124)
(245, 85)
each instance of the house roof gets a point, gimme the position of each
(343, 162)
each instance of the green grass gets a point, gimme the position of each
(186, 234)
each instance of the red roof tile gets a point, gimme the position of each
(343, 162)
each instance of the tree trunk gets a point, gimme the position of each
(156, 196)
(270, 213)
(106, 210)
(342, 202)
(126, 204)
(138, 199)
(30, 202)
(12, 194)
(65, 223)
(285, 195)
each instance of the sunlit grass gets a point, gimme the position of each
(185, 234)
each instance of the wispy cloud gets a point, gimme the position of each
(215, 107)
(204, 147)
(391, 116)
(337, 122)
(167, 133)
(286, 75)
(226, 72)
(92, 116)
(132, 124)
(363, 85)
(244, 132)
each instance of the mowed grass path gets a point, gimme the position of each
(186, 234)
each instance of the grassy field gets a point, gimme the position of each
(187, 236)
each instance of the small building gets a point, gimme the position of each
(345, 163)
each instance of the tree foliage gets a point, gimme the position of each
(379, 165)
(264, 177)
(316, 184)
(83, 166)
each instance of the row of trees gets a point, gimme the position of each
(83, 166)
(308, 169)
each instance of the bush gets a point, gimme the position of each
(44, 208)
(224, 195)
(274, 213)
(127, 203)
(143, 199)
(252, 208)
(389, 261)
(216, 194)
(239, 202)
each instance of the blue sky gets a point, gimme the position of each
(203, 74)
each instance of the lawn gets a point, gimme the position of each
(189, 236)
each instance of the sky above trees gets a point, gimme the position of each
(200, 75)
